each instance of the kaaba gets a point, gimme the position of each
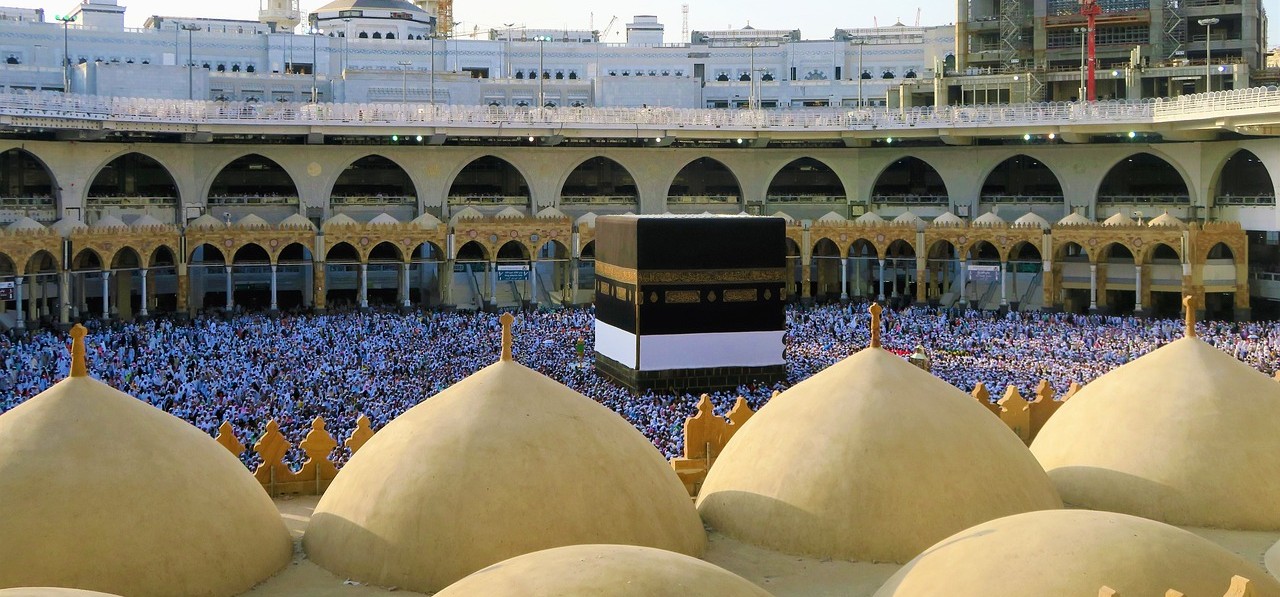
(690, 302)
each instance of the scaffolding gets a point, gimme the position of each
(444, 19)
(1175, 30)
(1011, 25)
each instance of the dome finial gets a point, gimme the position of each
(78, 366)
(1188, 304)
(875, 324)
(507, 319)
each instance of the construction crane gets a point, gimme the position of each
(604, 37)
(1089, 9)
(444, 19)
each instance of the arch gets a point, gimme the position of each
(1071, 252)
(295, 253)
(207, 254)
(1019, 180)
(162, 257)
(1220, 251)
(433, 253)
(490, 180)
(1117, 252)
(557, 251)
(588, 251)
(87, 260)
(825, 247)
(7, 267)
(982, 250)
(342, 252)
(1242, 179)
(375, 176)
(900, 249)
(1143, 178)
(42, 261)
(909, 177)
(23, 175)
(702, 180)
(1025, 252)
(252, 177)
(513, 250)
(599, 176)
(385, 252)
(126, 258)
(133, 180)
(472, 251)
(806, 179)
(1163, 251)
(250, 253)
(942, 249)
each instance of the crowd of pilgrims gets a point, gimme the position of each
(254, 368)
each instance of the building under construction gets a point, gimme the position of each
(1040, 37)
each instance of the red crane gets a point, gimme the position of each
(1090, 10)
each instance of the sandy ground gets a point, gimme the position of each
(780, 574)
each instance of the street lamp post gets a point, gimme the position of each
(1208, 62)
(404, 80)
(1084, 35)
(315, 66)
(861, 43)
(751, 79)
(432, 86)
(66, 21)
(542, 99)
(191, 59)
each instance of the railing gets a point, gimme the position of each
(1021, 199)
(911, 199)
(1267, 200)
(12, 202)
(702, 199)
(598, 199)
(132, 201)
(805, 198)
(1143, 199)
(183, 112)
(373, 200)
(488, 200)
(252, 200)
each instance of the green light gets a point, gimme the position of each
(395, 138)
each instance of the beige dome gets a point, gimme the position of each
(989, 219)
(870, 218)
(948, 220)
(340, 220)
(66, 226)
(1031, 220)
(509, 213)
(108, 222)
(1165, 219)
(1118, 219)
(297, 221)
(466, 213)
(551, 213)
(426, 220)
(614, 570)
(205, 222)
(907, 217)
(106, 492)
(784, 215)
(252, 221)
(1075, 219)
(50, 592)
(1185, 434)
(24, 224)
(873, 460)
(831, 217)
(1074, 552)
(384, 219)
(503, 463)
(588, 219)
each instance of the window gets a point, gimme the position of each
(377, 35)
(887, 75)
(573, 74)
(348, 14)
(222, 68)
(249, 68)
(235, 68)
(391, 36)
(559, 74)
(744, 77)
(364, 35)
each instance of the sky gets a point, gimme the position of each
(815, 19)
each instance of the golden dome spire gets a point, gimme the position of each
(875, 324)
(1188, 305)
(507, 319)
(78, 366)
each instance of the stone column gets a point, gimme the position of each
(1093, 287)
(20, 317)
(1004, 291)
(364, 285)
(184, 289)
(275, 305)
(844, 278)
(64, 297)
(533, 283)
(446, 283)
(964, 282)
(33, 309)
(106, 294)
(491, 280)
(404, 284)
(231, 286)
(806, 277)
(145, 296)
(1137, 289)
(881, 299)
(318, 297)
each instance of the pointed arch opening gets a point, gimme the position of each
(490, 184)
(253, 184)
(425, 276)
(1026, 183)
(133, 184)
(864, 266)
(909, 181)
(599, 182)
(900, 273)
(372, 185)
(806, 181)
(824, 274)
(705, 184)
(41, 292)
(210, 278)
(1245, 180)
(551, 274)
(27, 187)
